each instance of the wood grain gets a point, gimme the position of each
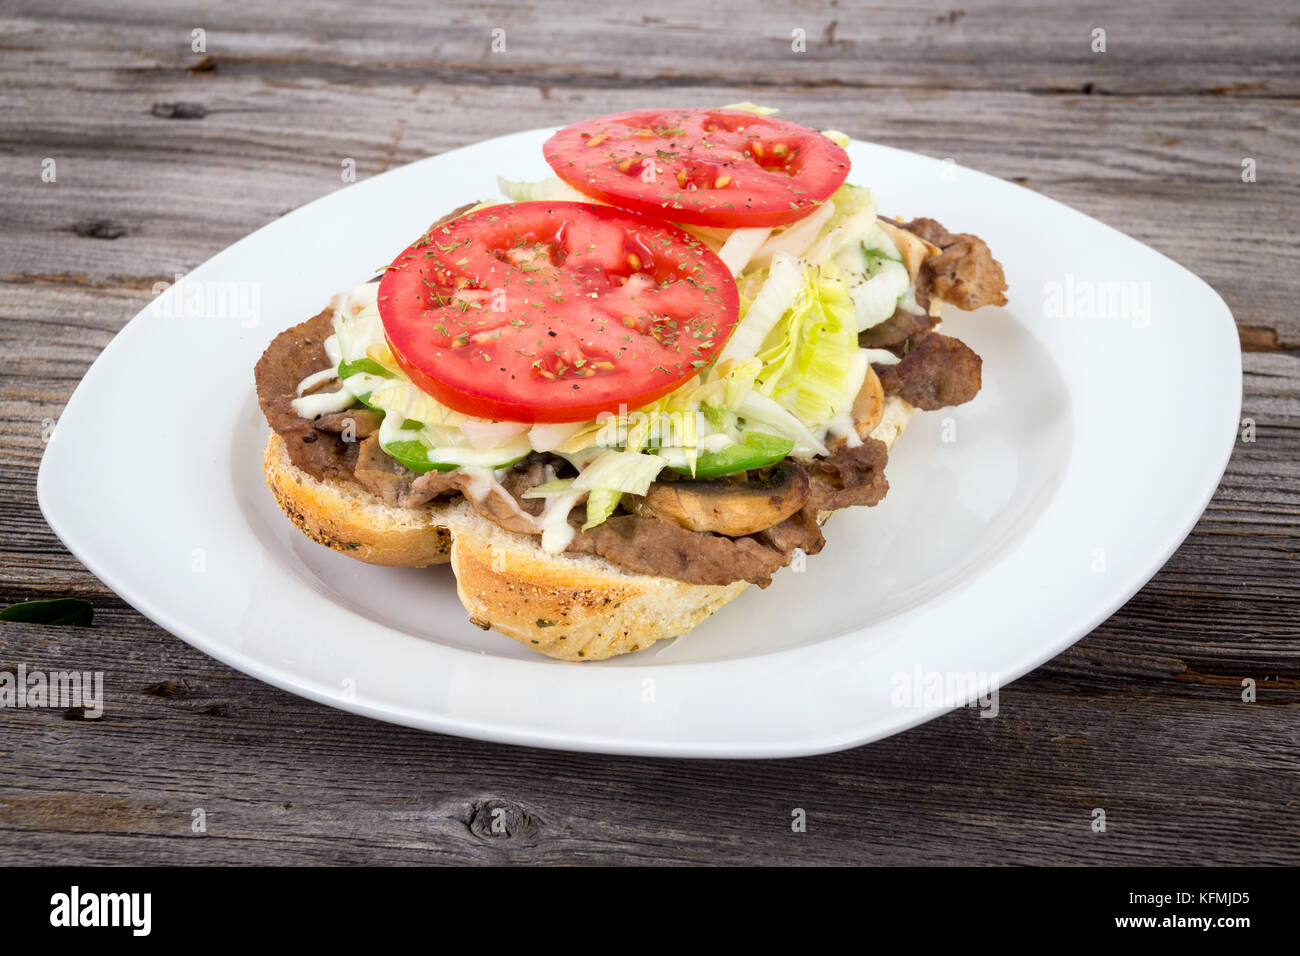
(165, 156)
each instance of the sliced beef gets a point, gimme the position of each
(848, 477)
(359, 422)
(381, 475)
(895, 330)
(293, 355)
(495, 503)
(931, 230)
(964, 273)
(647, 545)
(395, 484)
(526, 475)
(800, 531)
(432, 484)
(938, 372)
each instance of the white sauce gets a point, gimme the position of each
(715, 442)
(322, 403)
(331, 346)
(311, 381)
(843, 426)
(882, 357)
(556, 530)
(481, 483)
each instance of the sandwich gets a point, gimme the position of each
(616, 398)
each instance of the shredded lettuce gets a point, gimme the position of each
(613, 473)
(880, 280)
(459, 456)
(774, 299)
(404, 399)
(606, 474)
(601, 503)
(748, 107)
(606, 479)
(553, 188)
(853, 222)
(626, 471)
(356, 322)
(796, 239)
(483, 434)
(806, 350)
(739, 247)
(876, 299)
(757, 409)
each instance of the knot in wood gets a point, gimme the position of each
(500, 819)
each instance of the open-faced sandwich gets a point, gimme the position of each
(617, 400)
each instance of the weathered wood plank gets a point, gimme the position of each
(1157, 47)
(1160, 169)
(1065, 742)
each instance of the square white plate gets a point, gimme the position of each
(1014, 524)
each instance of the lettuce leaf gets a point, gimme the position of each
(807, 356)
(552, 188)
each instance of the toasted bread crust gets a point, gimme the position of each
(572, 607)
(349, 519)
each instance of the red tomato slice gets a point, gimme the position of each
(554, 311)
(723, 168)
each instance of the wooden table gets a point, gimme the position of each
(165, 155)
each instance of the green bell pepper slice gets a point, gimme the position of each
(367, 365)
(370, 367)
(755, 450)
(415, 456)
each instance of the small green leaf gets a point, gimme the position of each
(367, 365)
(59, 611)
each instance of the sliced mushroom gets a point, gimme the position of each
(732, 508)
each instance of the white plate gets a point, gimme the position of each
(1086, 459)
